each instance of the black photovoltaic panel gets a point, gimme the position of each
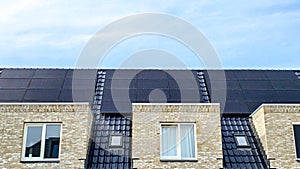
(119, 95)
(152, 84)
(49, 83)
(182, 74)
(12, 95)
(41, 95)
(76, 95)
(115, 107)
(17, 73)
(10, 83)
(285, 84)
(81, 74)
(79, 83)
(152, 74)
(286, 96)
(235, 107)
(255, 85)
(280, 74)
(250, 75)
(253, 105)
(120, 83)
(259, 95)
(253, 88)
(220, 84)
(234, 157)
(50, 73)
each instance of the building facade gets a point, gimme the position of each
(66, 118)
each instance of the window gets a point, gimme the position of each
(297, 139)
(41, 142)
(115, 141)
(178, 141)
(241, 141)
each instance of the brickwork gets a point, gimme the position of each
(274, 125)
(76, 123)
(146, 134)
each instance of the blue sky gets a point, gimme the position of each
(245, 34)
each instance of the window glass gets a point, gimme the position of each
(241, 140)
(178, 141)
(297, 139)
(33, 141)
(41, 142)
(187, 141)
(115, 141)
(52, 141)
(169, 136)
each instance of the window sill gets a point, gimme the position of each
(178, 160)
(39, 161)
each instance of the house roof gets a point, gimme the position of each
(111, 93)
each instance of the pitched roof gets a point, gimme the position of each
(111, 93)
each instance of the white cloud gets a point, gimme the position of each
(66, 25)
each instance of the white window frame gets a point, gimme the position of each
(294, 139)
(41, 158)
(178, 144)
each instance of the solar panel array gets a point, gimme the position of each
(247, 89)
(47, 85)
(111, 93)
(130, 86)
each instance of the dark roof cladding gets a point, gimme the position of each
(111, 92)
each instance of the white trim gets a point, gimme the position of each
(178, 139)
(187, 104)
(272, 104)
(41, 158)
(44, 103)
(295, 149)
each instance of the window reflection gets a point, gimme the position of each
(33, 141)
(52, 141)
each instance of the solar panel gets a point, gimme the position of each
(285, 96)
(152, 84)
(259, 95)
(76, 95)
(115, 107)
(250, 75)
(79, 84)
(236, 107)
(217, 84)
(182, 74)
(50, 73)
(12, 95)
(41, 95)
(49, 83)
(286, 84)
(256, 84)
(81, 74)
(117, 94)
(280, 75)
(152, 74)
(121, 83)
(17, 73)
(14, 83)
(215, 75)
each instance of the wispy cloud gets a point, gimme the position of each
(243, 31)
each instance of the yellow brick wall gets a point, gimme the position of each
(146, 134)
(274, 125)
(76, 123)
